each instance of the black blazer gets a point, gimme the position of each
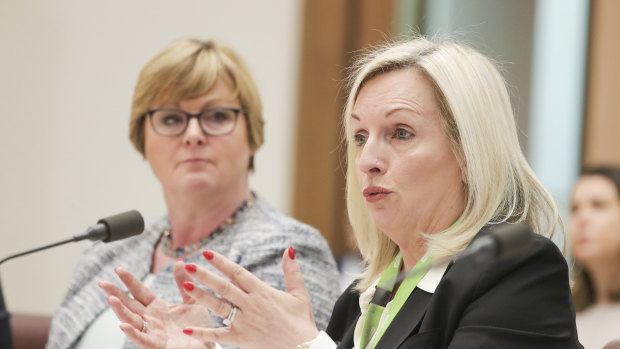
(523, 302)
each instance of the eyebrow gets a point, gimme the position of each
(208, 104)
(389, 113)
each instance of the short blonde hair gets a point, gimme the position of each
(186, 69)
(479, 123)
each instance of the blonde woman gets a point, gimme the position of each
(433, 164)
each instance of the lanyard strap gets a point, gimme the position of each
(373, 328)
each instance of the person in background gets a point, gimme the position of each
(433, 165)
(595, 242)
(196, 117)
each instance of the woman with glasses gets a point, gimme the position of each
(196, 118)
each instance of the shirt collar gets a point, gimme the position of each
(432, 278)
(428, 283)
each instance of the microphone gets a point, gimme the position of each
(119, 226)
(504, 241)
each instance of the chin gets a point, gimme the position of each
(196, 183)
(382, 222)
(586, 256)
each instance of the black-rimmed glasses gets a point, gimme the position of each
(172, 122)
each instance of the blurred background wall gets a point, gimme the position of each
(69, 67)
(67, 73)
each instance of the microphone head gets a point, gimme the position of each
(511, 239)
(123, 225)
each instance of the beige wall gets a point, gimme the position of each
(67, 72)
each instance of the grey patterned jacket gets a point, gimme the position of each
(256, 241)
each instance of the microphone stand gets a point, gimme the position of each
(73, 239)
(116, 227)
(6, 339)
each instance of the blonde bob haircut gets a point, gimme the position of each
(479, 123)
(186, 69)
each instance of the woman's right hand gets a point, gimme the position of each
(265, 317)
(164, 321)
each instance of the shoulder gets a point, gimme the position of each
(266, 215)
(522, 299)
(124, 252)
(264, 222)
(541, 265)
(262, 233)
(541, 258)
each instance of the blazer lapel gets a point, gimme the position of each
(406, 321)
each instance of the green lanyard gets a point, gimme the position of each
(382, 295)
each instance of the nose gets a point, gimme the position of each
(580, 217)
(193, 134)
(371, 158)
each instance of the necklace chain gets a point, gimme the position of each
(166, 238)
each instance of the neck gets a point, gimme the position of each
(412, 251)
(195, 216)
(602, 274)
(413, 245)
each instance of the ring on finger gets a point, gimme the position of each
(145, 326)
(231, 316)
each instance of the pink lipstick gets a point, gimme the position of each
(374, 193)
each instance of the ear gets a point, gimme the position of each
(464, 174)
(460, 159)
(251, 161)
(142, 137)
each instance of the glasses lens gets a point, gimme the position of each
(218, 121)
(169, 122)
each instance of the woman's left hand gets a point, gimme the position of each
(264, 317)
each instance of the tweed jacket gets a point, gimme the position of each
(256, 241)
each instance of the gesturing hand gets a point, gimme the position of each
(265, 317)
(164, 321)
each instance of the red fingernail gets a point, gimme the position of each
(291, 253)
(179, 259)
(188, 286)
(188, 331)
(208, 255)
(190, 267)
(122, 328)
